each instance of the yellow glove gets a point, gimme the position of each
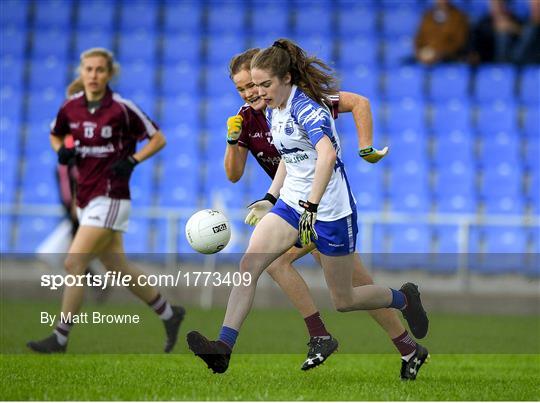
(306, 225)
(258, 209)
(234, 128)
(371, 154)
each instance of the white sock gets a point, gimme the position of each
(62, 340)
(167, 312)
(408, 356)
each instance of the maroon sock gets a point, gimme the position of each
(404, 343)
(315, 325)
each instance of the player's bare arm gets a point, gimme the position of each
(156, 143)
(235, 161)
(363, 120)
(326, 159)
(56, 142)
(277, 183)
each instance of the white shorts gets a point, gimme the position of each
(105, 212)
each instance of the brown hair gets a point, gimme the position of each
(242, 61)
(114, 68)
(309, 73)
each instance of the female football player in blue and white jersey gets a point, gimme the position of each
(248, 131)
(315, 202)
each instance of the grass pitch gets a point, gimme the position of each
(101, 364)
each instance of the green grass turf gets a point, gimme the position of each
(99, 365)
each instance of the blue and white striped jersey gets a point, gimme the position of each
(296, 129)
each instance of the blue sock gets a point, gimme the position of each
(228, 336)
(398, 300)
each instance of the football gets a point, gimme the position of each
(208, 231)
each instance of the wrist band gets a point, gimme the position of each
(232, 142)
(270, 197)
(366, 151)
(311, 207)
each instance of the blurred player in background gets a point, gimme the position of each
(249, 131)
(105, 128)
(315, 202)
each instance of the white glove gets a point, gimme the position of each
(259, 208)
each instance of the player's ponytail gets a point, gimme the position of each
(74, 87)
(309, 73)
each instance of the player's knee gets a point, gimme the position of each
(72, 265)
(343, 304)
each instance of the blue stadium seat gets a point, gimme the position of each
(44, 105)
(399, 22)
(306, 16)
(259, 181)
(137, 46)
(189, 116)
(398, 51)
(32, 231)
(404, 82)
(137, 237)
(53, 13)
(452, 115)
(494, 82)
(453, 146)
(13, 42)
(50, 74)
(183, 16)
(532, 150)
(505, 178)
(503, 250)
(8, 167)
(408, 172)
(14, 69)
(531, 122)
(221, 48)
(138, 16)
(414, 201)
(355, 22)
(177, 189)
(11, 101)
(409, 246)
(14, 12)
(362, 80)
(496, 117)
(408, 114)
(446, 257)
(42, 188)
(530, 86)
(317, 45)
(278, 13)
(501, 146)
(449, 82)
(51, 43)
(161, 243)
(408, 142)
(219, 18)
(358, 51)
(6, 228)
(182, 79)
(455, 189)
(141, 184)
(137, 76)
(182, 47)
(504, 204)
(96, 15)
(219, 85)
(217, 188)
(85, 40)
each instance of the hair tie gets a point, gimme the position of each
(278, 44)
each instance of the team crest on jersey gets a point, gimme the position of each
(289, 127)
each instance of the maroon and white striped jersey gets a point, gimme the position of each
(101, 138)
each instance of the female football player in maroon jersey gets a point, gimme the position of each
(248, 131)
(105, 128)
